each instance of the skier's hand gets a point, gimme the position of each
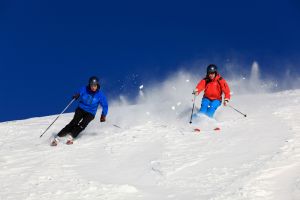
(102, 118)
(195, 92)
(226, 102)
(76, 96)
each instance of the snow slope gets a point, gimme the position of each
(156, 155)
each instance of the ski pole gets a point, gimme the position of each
(116, 126)
(237, 110)
(193, 107)
(58, 116)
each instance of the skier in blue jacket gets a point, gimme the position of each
(89, 97)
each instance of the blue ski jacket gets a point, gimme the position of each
(89, 100)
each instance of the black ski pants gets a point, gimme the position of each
(79, 122)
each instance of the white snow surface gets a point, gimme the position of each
(155, 154)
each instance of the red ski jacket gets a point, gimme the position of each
(213, 89)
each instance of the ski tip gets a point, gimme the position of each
(197, 130)
(69, 142)
(53, 144)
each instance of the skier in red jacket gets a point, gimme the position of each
(214, 86)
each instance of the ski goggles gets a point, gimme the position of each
(93, 85)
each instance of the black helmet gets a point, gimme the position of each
(211, 69)
(93, 81)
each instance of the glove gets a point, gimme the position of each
(76, 96)
(102, 118)
(195, 92)
(226, 101)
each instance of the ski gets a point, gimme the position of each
(199, 130)
(54, 142)
(69, 142)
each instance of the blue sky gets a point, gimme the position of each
(48, 49)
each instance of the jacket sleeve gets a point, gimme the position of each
(225, 88)
(201, 85)
(104, 105)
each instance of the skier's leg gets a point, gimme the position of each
(75, 121)
(213, 107)
(204, 105)
(88, 117)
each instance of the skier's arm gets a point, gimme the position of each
(104, 105)
(225, 88)
(200, 87)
